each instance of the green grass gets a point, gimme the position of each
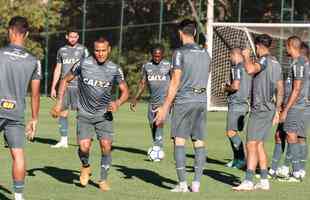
(53, 173)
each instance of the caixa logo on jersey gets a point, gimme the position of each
(70, 61)
(156, 77)
(97, 83)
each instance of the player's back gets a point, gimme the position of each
(195, 63)
(264, 84)
(17, 67)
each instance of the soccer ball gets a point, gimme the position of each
(283, 172)
(155, 153)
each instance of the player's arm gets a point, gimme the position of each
(114, 105)
(63, 87)
(141, 88)
(120, 80)
(173, 88)
(297, 86)
(162, 111)
(56, 76)
(178, 64)
(250, 66)
(124, 93)
(279, 95)
(31, 126)
(231, 88)
(75, 71)
(298, 73)
(279, 101)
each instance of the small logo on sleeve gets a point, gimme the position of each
(7, 104)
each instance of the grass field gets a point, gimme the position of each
(53, 174)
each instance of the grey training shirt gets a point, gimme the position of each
(194, 63)
(17, 68)
(157, 77)
(95, 84)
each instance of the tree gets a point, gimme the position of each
(36, 12)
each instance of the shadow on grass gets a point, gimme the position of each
(223, 177)
(2, 196)
(145, 175)
(49, 141)
(45, 140)
(62, 175)
(209, 160)
(129, 150)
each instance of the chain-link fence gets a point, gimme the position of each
(131, 26)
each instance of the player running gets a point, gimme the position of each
(187, 95)
(18, 68)
(96, 77)
(67, 56)
(155, 75)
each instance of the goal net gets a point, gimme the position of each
(226, 36)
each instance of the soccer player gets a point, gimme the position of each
(156, 75)
(238, 93)
(18, 68)
(267, 83)
(187, 95)
(281, 136)
(96, 77)
(67, 55)
(292, 114)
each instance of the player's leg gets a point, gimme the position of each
(85, 133)
(235, 122)
(106, 160)
(199, 118)
(293, 127)
(180, 130)
(15, 134)
(280, 140)
(180, 161)
(262, 155)
(157, 131)
(302, 141)
(263, 165)
(303, 147)
(104, 131)
(258, 126)
(63, 130)
(63, 123)
(70, 102)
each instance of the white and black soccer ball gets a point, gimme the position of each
(283, 172)
(155, 153)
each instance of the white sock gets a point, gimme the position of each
(18, 196)
(183, 184)
(64, 139)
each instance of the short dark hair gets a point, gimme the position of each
(188, 27)
(71, 30)
(19, 24)
(156, 47)
(102, 39)
(305, 49)
(294, 42)
(264, 40)
(236, 50)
